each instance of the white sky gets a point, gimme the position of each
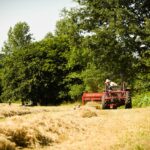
(40, 15)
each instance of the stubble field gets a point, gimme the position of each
(73, 128)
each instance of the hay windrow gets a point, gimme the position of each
(5, 144)
(67, 128)
(18, 110)
(43, 130)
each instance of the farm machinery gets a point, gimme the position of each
(110, 99)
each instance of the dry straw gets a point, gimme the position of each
(43, 130)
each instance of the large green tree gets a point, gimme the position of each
(78, 54)
(18, 37)
(114, 33)
(36, 71)
(99, 39)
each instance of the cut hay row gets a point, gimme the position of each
(77, 128)
(18, 110)
(39, 130)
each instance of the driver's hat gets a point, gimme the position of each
(107, 81)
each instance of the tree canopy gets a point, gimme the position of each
(99, 39)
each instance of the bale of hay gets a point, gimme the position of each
(87, 113)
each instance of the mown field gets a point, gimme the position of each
(73, 128)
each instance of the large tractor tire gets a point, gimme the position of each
(114, 107)
(104, 103)
(128, 101)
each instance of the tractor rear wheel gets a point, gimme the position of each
(104, 103)
(128, 101)
(114, 107)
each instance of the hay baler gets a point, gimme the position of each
(87, 96)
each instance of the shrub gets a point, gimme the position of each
(141, 100)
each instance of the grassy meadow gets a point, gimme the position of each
(69, 127)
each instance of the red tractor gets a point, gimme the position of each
(116, 97)
(111, 98)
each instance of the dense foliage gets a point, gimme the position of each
(99, 39)
(141, 100)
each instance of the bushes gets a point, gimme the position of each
(141, 100)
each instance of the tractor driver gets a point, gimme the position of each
(110, 84)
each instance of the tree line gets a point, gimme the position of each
(99, 39)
